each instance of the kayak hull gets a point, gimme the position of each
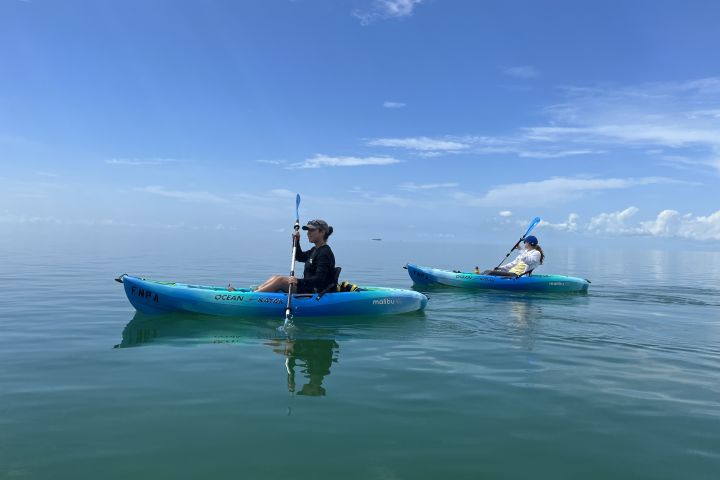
(533, 283)
(153, 297)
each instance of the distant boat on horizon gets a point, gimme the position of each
(377, 239)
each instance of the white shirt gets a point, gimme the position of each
(525, 261)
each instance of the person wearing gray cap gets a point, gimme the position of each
(319, 263)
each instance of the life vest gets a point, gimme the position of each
(519, 269)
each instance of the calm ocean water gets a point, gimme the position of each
(623, 382)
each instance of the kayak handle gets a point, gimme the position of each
(120, 278)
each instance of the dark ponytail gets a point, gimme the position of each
(542, 254)
(328, 233)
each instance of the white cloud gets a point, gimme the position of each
(653, 116)
(389, 199)
(552, 191)
(715, 113)
(524, 71)
(397, 8)
(668, 135)
(556, 154)
(569, 225)
(386, 9)
(139, 162)
(393, 104)
(668, 223)
(483, 145)
(667, 119)
(428, 186)
(264, 197)
(319, 161)
(190, 196)
(505, 213)
(420, 143)
(282, 193)
(271, 162)
(614, 222)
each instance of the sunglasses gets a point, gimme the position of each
(312, 229)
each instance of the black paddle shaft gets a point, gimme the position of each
(511, 250)
(295, 238)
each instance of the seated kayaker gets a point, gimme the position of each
(530, 257)
(319, 263)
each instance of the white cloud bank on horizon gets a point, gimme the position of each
(668, 223)
(320, 160)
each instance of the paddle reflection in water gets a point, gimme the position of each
(313, 358)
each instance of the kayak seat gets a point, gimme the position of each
(333, 286)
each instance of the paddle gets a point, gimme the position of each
(296, 228)
(533, 224)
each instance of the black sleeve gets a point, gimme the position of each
(323, 266)
(301, 256)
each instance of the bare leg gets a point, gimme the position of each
(267, 283)
(273, 284)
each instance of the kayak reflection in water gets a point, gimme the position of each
(313, 357)
(319, 263)
(531, 256)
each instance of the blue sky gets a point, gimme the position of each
(414, 119)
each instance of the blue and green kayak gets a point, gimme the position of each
(155, 297)
(536, 283)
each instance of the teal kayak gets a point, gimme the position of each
(153, 297)
(536, 283)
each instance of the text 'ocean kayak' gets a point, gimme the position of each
(154, 297)
(537, 283)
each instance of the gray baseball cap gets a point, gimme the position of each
(319, 224)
